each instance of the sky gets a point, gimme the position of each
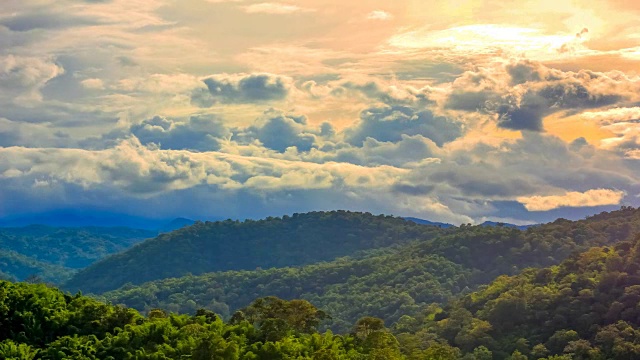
(458, 111)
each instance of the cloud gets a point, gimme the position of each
(242, 89)
(199, 133)
(22, 78)
(521, 94)
(36, 20)
(390, 123)
(274, 8)
(379, 15)
(279, 131)
(93, 84)
(595, 197)
(14, 133)
(612, 116)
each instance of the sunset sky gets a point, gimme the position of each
(456, 111)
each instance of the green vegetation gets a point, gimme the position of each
(386, 286)
(585, 308)
(54, 254)
(14, 266)
(563, 290)
(393, 282)
(39, 322)
(233, 245)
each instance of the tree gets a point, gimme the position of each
(367, 325)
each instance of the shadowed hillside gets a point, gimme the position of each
(233, 245)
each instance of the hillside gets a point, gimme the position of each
(15, 266)
(585, 308)
(54, 253)
(39, 322)
(233, 245)
(393, 282)
(386, 286)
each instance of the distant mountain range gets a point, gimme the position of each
(427, 222)
(85, 218)
(486, 223)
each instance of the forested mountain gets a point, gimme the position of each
(233, 245)
(15, 266)
(389, 283)
(53, 254)
(386, 286)
(585, 308)
(43, 323)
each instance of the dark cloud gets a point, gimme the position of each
(45, 21)
(246, 89)
(390, 123)
(522, 93)
(411, 189)
(522, 72)
(197, 133)
(278, 131)
(527, 113)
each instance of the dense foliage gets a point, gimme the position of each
(234, 245)
(74, 248)
(53, 254)
(389, 283)
(385, 286)
(14, 266)
(585, 308)
(38, 322)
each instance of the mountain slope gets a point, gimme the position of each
(232, 245)
(70, 247)
(53, 254)
(15, 266)
(585, 308)
(386, 286)
(392, 282)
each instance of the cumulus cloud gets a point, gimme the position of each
(595, 197)
(242, 89)
(200, 133)
(279, 131)
(274, 8)
(521, 94)
(390, 123)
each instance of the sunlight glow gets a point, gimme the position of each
(491, 38)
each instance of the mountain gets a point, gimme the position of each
(585, 308)
(427, 222)
(54, 253)
(233, 245)
(82, 218)
(15, 266)
(494, 223)
(394, 282)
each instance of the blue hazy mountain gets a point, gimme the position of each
(427, 222)
(84, 218)
(494, 223)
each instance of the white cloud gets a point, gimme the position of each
(274, 8)
(594, 197)
(95, 84)
(379, 15)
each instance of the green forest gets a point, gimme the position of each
(54, 254)
(372, 287)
